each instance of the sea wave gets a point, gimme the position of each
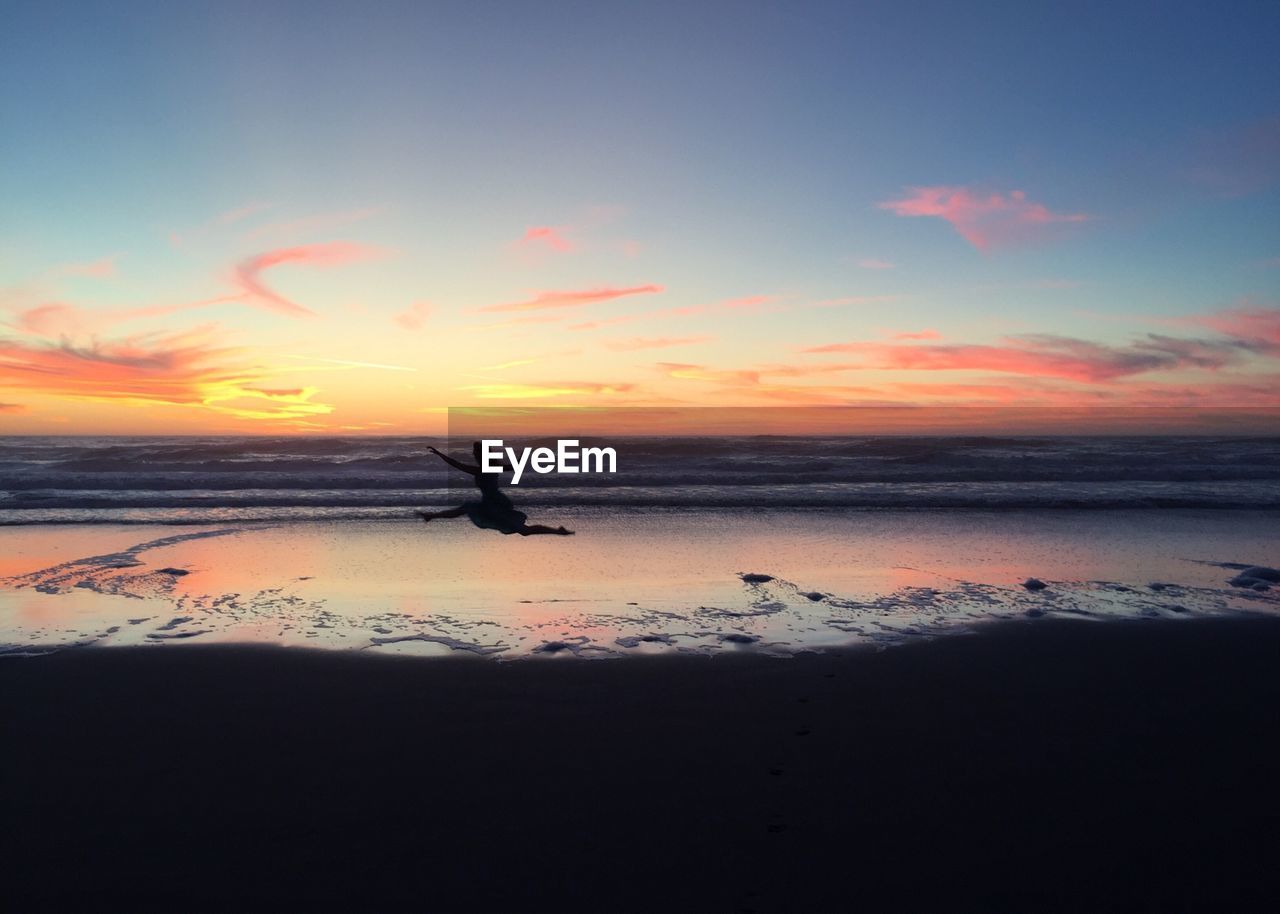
(184, 480)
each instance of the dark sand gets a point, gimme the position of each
(1073, 766)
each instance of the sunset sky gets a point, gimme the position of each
(320, 217)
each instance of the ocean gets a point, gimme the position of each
(189, 480)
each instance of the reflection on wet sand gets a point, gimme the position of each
(647, 583)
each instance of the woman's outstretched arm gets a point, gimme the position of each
(456, 464)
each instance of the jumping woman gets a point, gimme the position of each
(493, 510)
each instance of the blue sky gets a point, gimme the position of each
(741, 157)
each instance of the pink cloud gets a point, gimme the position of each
(659, 342)
(54, 319)
(918, 335)
(414, 317)
(749, 303)
(872, 263)
(985, 220)
(574, 299)
(248, 274)
(1048, 356)
(547, 238)
(49, 319)
(1258, 326)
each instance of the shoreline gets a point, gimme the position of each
(636, 585)
(1047, 765)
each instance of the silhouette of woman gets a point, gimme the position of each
(493, 510)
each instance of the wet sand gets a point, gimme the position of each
(1033, 766)
(641, 583)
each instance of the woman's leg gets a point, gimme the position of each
(429, 516)
(534, 529)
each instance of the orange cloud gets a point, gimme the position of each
(12, 408)
(544, 390)
(985, 220)
(502, 366)
(750, 377)
(658, 342)
(414, 317)
(574, 299)
(248, 275)
(180, 369)
(685, 372)
(918, 335)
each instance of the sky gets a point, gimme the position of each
(278, 218)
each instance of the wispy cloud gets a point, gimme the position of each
(240, 213)
(574, 299)
(545, 390)
(519, 322)
(180, 239)
(179, 369)
(502, 366)
(637, 343)
(546, 238)
(102, 268)
(844, 300)
(414, 317)
(872, 263)
(1240, 160)
(349, 363)
(1252, 325)
(249, 273)
(916, 335)
(54, 319)
(12, 408)
(790, 384)
(746, 304)
(291, 229)
(1047, 355)
(985, 219)
(684, 371)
